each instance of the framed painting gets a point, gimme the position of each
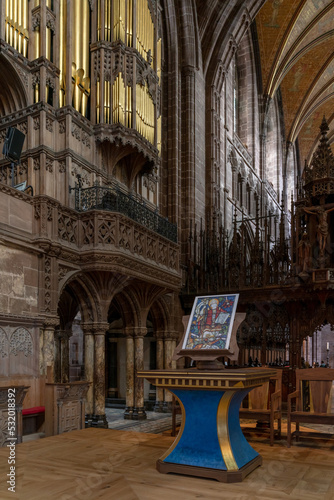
(211, 322)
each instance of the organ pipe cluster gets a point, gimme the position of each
(127, 28)
(17, 25)
(125, 101)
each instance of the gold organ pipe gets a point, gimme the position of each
(129, 23)
(159, 59)
(107, 20)
(25, 27)
(105, 102)
(116, 19)
(98, 102)
(80, 52)
(48, 43)
(11, 17)
(145, 113)
(159, 134)
(145, 30)
(62, 51)
(109, 101)
(98, 27)
(19, 26)
(37, 43)
(15, 24)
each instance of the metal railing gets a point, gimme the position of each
(114, 199)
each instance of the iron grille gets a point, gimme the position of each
(115, 200)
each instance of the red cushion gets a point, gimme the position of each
(31, 411)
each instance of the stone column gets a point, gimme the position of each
(99, 417)
(89, 371)
(65, 356)
(49, 348)
(130, 374)
(57, 362)
(168, 365)
(158, 407)
(139, 411)
(175, 339)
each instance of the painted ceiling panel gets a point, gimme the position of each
(296, 43)
(310, 133)
(310, 10)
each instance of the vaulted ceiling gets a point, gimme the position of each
(296, 44)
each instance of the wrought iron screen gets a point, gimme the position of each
(115, 200)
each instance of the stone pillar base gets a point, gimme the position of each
(139, 414)
(100, 421)
(167, 407)
(128, 413)
(158, 407)
(88, 420)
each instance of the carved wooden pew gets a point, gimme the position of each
(313, 400)
(265, 405)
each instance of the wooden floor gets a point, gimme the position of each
(109, 464)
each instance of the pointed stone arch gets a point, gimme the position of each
(13, 96)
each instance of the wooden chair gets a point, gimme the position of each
(176, 410)
(265, 405)
(313, 401)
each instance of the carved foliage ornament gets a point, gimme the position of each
(21, 341)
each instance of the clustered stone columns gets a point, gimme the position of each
(134, 362)
(139, 411)
(99, 416)
(89, 371)
(168, 366)
(62, 355)
(130, 374)
(48, 348)
(159, 399)
(166, 343)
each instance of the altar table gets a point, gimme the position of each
(210, 442)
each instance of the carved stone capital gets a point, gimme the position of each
(100, 328)
(50, 322)
(139, 332)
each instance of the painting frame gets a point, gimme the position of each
(210, 323)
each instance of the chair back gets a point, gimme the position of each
(259, 398)
(316, 388)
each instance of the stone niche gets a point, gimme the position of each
(19, 361)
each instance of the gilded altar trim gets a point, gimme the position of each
(223, 431)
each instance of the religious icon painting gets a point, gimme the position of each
(211, 322)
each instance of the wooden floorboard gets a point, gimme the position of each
(120, 465)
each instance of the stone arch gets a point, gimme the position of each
(13, 95)
(83, 289)
(126, 307)
(161, 315)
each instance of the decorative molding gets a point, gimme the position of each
(62, 126)
(3, 344)
(49, 124)
(36, 122)
(47, 284)
(62, 166)
(49, 165)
